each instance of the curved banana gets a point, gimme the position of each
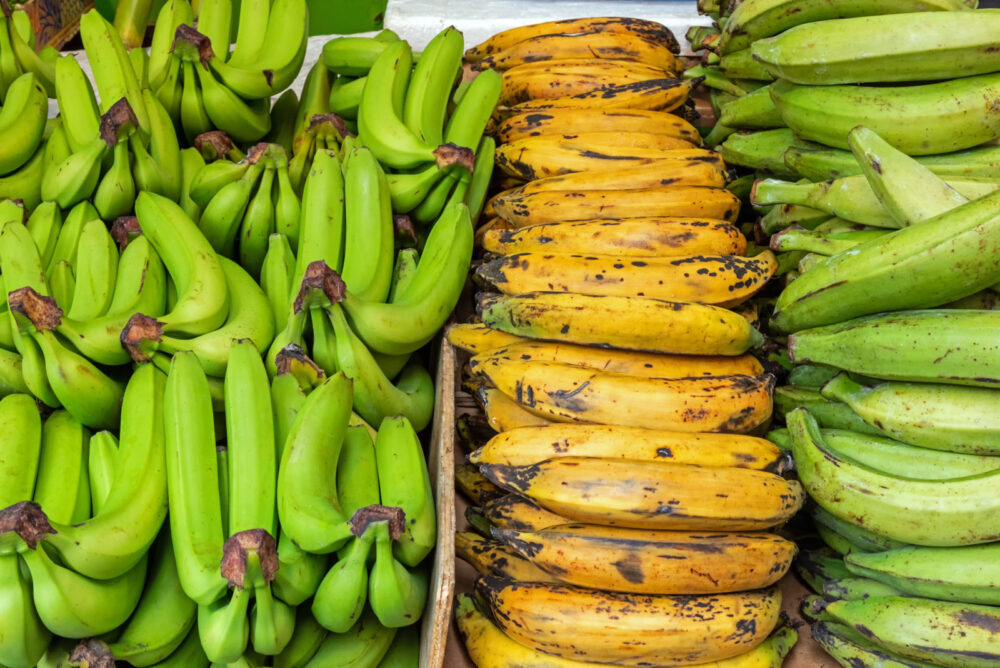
(546, 79)
(22, 122)
(571, 121)
(20, 448)
(25, 639)
(535, 158)
(62, 487)
(395, 593)
(491, 557)
(628, 237)
(519, 513)
(257, 225)
(646, 629)
(95, 272)
(341, 596)
(430, 86)
(664, 94)
(638, 494)
(363, 645)
(597, 45)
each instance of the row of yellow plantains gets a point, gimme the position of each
(623, 505)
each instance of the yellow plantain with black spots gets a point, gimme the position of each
(532, 445)
(650, 30)
(651, 175)
(596, 45)
(495, 223)
(630, 323)
(629, 629)
(556, 78)
(644, 561)
(722, 280)
(648, 365)
(539, 157)
(502, 412)
(655, 94)
(513, 511)
(570, 121)
(473, 337)
(471, 482)
(491, 557)
(653, 495)
(567, 393)
(624, 237)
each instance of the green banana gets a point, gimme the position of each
(192, 479)
(258, 224)
(754, 110)
(783, 216)
(404, 482)
(62, 487)
(363, 646)
(752, 20)
(115, 194)
(22, 122)
(222, 468)
(289, 388)
(835, 541)
(917, 46)
(352, 56)
(74, 178)
(936, 346)
(223, 627)
(24, 638)
(817, 567)
(856, 589)
(820, 164)
(345, 96)
(250, 440)
(276, 277)
(188, 655)
(102, 467)
(191, 164)
(922, 629)
(357, 476)
(404, 651)
(935, 513)
(203, 298)
(860, 538)
(822, 243)
(900, 459)
(287, 208)
(272, 622)
(214, 18)
(194, 118)
(424, 310)
(941, 417)
(214, 176)
(922, 257)
(25, 184)
(221, 218)
(283, 114)
(321, 234)
(95, 271)
(430, 85)
(742, 65)
(307, 500)
(479, 180)
(921, 119)
(11, 376)
(403, 272)
(20, 447)
(315, 99)
(306, 639)
(340, 597)
(368, 228)
(113, 73)
(299, 573)
(157, 167)
(396, 594)
(172, 14)
(763, 150)
(164, 615)
(963, 574)
(848, 647)
(375, 396)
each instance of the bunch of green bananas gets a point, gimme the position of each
(205, 86)
(18, 55)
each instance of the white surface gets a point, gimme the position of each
(418, 21)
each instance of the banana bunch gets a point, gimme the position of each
(18, 55)
(205, 86)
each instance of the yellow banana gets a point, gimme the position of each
(630, 630)
(531, 445)
(653, 562)
(566, 393)
(647, 365)
(520, 513)
(749, 311)
(655, 95)
(496, 223)
(539, 157)
(555, 78)
(476, 488)
(624, 237)
(651, 30)
(653, 495)
(597, 119)
(492, 557)
(652, 175)
(631, 323)
(722, 280)
(669, 201)
(503, 413)
(478, 338)
(597, 45)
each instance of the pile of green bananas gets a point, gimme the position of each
(18, 54)
(888, 247)
(214, 313)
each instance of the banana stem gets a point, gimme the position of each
(131, 19)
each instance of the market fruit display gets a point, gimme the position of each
(879, 202)
(213, 381)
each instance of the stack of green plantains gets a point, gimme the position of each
(890, 243)
(211, 336)
(615, 479)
